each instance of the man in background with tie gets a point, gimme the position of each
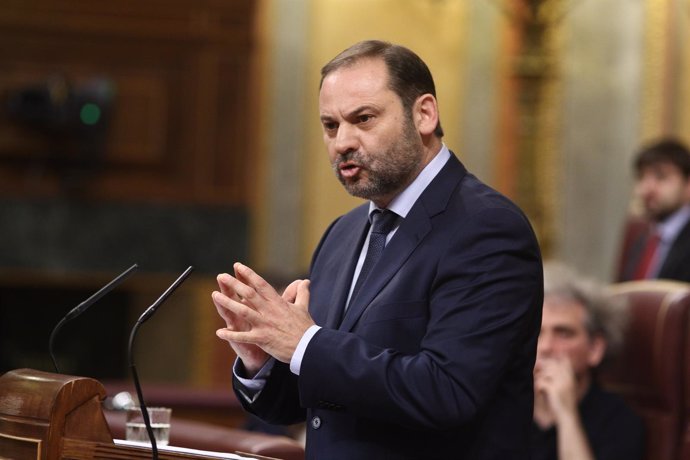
(658, 245)
(415, 336)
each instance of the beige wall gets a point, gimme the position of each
(683, 44)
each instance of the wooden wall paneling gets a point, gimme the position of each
(177, 68)
(232, 174)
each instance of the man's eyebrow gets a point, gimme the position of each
(564, 328)
(360, 109)
(353, 113)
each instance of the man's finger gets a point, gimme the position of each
(302, 298)
(236, 336)
(231, 320)
(224, 282)
(238, 288)
(241, 310)
(290, 292)
(253, 280)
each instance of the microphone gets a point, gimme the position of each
(82, 307)
(145, 316)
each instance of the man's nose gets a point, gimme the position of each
(544, 345)
(346, 140)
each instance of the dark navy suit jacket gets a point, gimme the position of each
(434, 357)
(676, 266)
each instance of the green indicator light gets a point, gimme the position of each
(90, 114)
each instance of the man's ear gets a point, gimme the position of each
(425, 114)
(597, 351)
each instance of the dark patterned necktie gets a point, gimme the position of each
(381, 225)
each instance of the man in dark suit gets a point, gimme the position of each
(426, 352)
(658, 244)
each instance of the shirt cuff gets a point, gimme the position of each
(255, 384)
(296, 361)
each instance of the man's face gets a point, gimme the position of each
(662, 189)
(373, 144)
(563, 334)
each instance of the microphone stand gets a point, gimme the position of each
(130, 353)
(81, 308)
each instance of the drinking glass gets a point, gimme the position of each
(160, 423)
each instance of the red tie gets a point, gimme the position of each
(647, 257)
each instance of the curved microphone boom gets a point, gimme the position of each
(144, 316)
(81, 308)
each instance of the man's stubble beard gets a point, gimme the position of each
(663, 212)
(387, 173)
(661, 215)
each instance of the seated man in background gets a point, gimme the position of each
(658, 246)
(574, 418)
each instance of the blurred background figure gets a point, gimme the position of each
(657, 245)
(574, 418)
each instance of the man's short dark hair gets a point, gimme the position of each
(409, 76)
(667, 150)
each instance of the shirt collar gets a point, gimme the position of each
(402, 203)
(669, 229)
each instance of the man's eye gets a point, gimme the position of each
(364, 118)
(565, 334)
(330, 126)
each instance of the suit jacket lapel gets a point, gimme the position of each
(397, 251)
(677, 254)
(413, 229)
(352, 247)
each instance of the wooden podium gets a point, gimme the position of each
(46, 416)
